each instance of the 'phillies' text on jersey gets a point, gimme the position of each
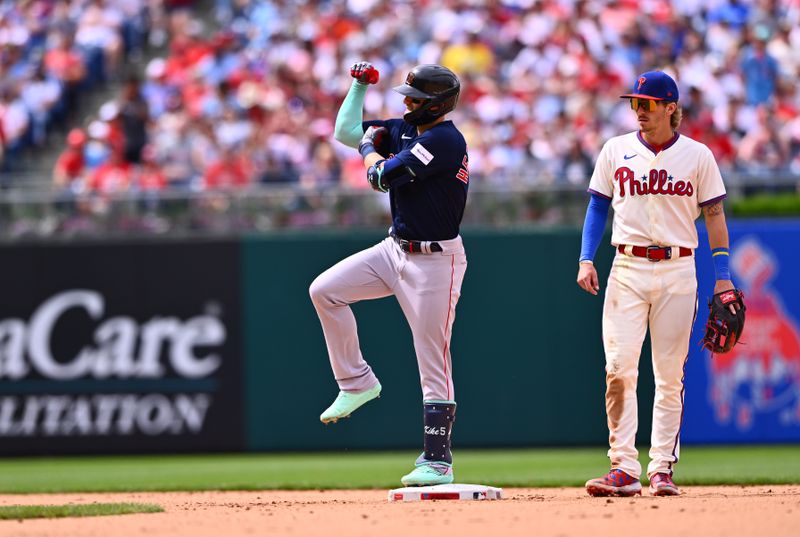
(659, 182)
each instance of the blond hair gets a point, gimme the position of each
(676, 117)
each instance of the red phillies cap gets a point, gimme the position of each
(655, 85)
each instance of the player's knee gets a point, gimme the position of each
(621, 380)
(316, 291)
(320, 292)
(669, 388)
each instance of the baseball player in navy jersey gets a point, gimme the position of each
(421, 161)
(658, 182)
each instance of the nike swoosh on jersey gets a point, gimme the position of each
(626, 157)
(404, 137)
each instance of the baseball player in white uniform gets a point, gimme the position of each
(658, 182)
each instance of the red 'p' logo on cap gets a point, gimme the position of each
(641, 82)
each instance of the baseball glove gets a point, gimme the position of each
(725, 321)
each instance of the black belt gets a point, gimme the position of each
(416, 247)
(656, 253)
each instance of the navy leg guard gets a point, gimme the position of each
(439, 417)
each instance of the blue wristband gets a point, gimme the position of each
(721, 258)
(366, 149)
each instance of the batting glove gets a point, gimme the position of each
(364, 73)
(374, 138)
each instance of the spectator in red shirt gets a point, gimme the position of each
(231, 170)
(114, 176)
(70, 167)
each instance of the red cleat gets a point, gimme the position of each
(661, 484)
(614, 483)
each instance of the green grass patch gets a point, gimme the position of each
(767, 205)
(349, 470)
(19, 512)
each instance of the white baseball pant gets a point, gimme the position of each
(663, 296)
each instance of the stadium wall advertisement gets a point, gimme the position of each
(202, 346)
(112, 348)
(752, 394)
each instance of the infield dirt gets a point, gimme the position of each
(702, 511)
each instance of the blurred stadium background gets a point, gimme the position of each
(170, 187)
(155, 116)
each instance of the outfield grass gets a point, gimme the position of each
(518, 468)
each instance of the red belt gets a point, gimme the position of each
(655, 253)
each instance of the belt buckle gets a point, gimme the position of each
(667, 253)
(404, 244)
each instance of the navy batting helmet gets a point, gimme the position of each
(437, 85)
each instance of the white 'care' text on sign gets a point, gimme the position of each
(122, 347)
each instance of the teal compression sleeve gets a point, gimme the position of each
(348, 129)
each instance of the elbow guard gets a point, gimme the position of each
(386, 173)
(377, 180)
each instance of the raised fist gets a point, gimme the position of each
(373, 141)
(365, 73)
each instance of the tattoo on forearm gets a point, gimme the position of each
(713, 210)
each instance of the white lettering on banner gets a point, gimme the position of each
(30, 417)
(114, 349)
(12, 348)
(41, 328)
(102, 415)
(205, 331)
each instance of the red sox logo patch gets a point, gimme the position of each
(658, 182)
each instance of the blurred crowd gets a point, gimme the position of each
(54, 53)
(249, 94)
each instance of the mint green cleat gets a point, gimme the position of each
(429, 473)
(346, 403)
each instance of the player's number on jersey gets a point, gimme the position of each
(463, 173)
